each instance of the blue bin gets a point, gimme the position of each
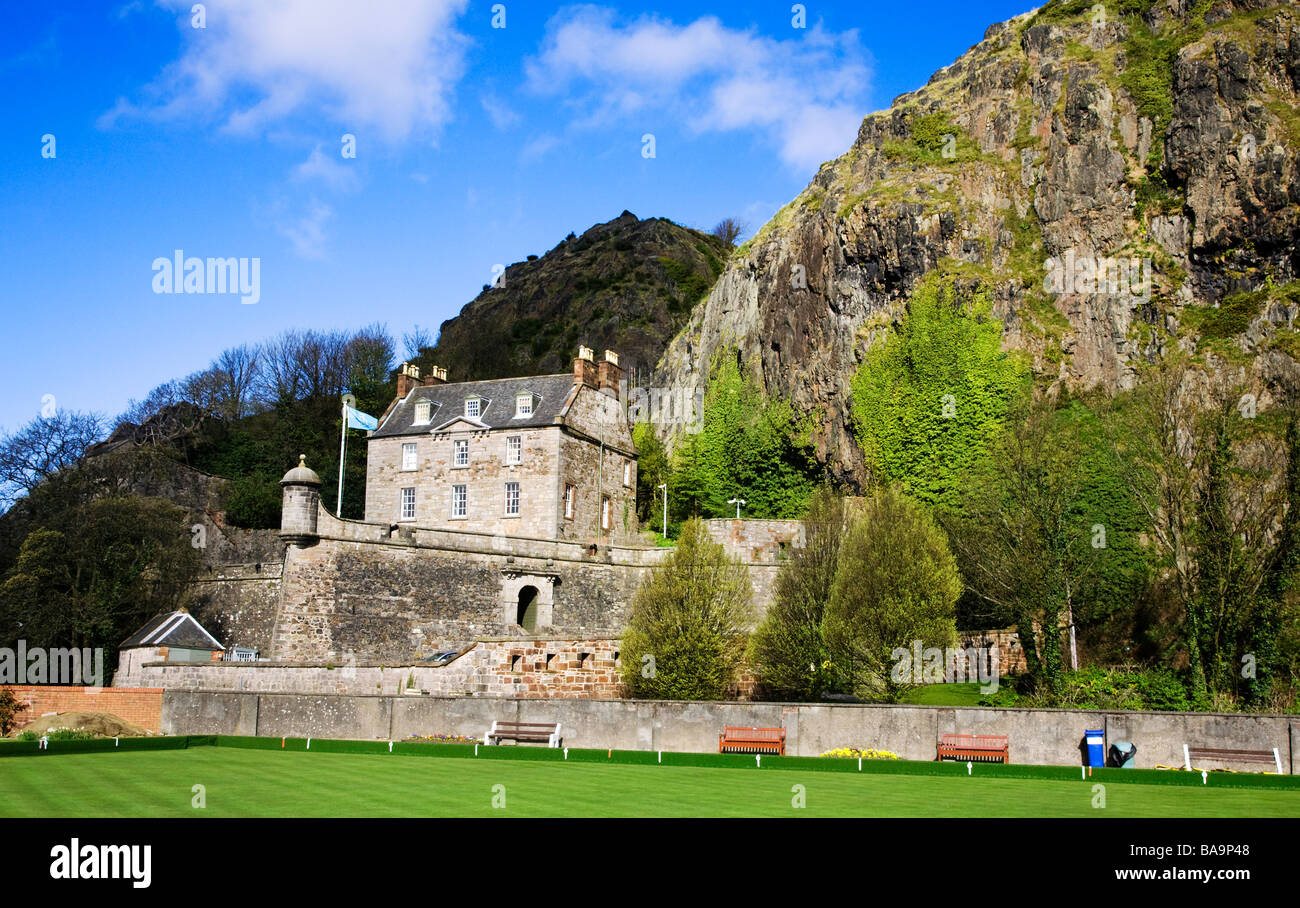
(1095, 739)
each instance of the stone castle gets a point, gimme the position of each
(500, 530)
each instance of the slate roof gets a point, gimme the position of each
(172, 629)
(549, 394)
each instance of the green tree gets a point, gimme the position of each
(652, 469)
(1027, 545)
(930, 399)
(749, 446)
(788, 648)
(1207, 479)
(896, 583)
(685, 635)
(98, 573)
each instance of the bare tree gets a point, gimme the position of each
(161, 397)
(414, 342)
(42, 448)
(241, 368)
(280, 381)
(729, 230)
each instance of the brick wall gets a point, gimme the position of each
(138, 705)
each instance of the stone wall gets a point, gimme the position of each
(1043, 737)
(237, 603)
(539, 667)
(757, 540)
(138, 705)
(364, 593)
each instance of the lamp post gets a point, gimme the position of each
(737, 502)
(664, 486)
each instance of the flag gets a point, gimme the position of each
(359, 420)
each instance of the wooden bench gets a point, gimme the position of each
(737, 740)
(547, 733)
(974, 748)
(1231, 755)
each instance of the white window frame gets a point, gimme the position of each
(606, 512)
(459, 446)
(627, 474)
(476, 405)
(523, 405)
(570, 492)
(410, 456)
(408, 503)
(514, 449)
(512, 487)
(459, 496)
(423, 407)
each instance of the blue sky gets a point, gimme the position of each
(475, 146)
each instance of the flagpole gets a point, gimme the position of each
(343, 448)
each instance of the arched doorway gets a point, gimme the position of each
(526, 614)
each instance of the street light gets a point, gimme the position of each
(737, 502)
(664, 486)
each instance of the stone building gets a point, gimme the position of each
(544, 457)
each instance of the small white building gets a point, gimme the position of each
(169, 637)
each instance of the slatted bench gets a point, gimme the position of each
(973, 748)
(741, 740)
(547, 733)
(1231, 755)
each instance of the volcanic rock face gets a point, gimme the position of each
(626, 285)
(1060, 160)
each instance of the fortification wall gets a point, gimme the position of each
(503, 668)
(1043, 737)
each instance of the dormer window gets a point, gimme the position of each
(473, 407)
(422, 412)
(524, 405)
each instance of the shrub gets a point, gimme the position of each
(684, 638)
(896, 583)
(9, 708)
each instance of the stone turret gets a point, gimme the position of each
(301, 500)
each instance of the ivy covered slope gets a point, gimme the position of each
(1162, 131)
(627, 285)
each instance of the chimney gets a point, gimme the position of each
(407, 380)
(437, 376)
(584, 370)
(609, 374)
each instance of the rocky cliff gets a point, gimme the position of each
(1074, 152)
(627, 285)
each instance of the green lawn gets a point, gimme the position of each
(240, 782)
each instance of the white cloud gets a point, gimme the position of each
(502, 116)
(537, 147)
(807, 93)
(333, 172)
(305, 230)
(383, 65)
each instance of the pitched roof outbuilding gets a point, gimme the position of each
(177, 628)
